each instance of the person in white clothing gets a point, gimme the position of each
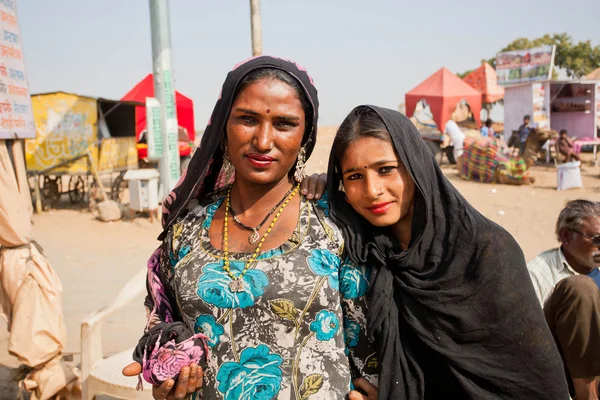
(454, 136)
(567, 281)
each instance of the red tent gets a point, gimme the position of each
(443, 91)
(185, 107)
(484, 79)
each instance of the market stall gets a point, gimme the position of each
(443, 91)
(484, 79)
(573, 105)
(68, 127)
(185, 118)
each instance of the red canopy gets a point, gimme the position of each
(184, 105)
(443, 91)
(484, 79)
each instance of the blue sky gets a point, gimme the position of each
(369, 51)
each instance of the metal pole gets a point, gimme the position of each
(256, 27)
(164, 91)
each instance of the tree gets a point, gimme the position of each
(576, 59)
(582, 59)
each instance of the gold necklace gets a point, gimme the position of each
(237, 284)
(254, 236)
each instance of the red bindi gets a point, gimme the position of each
(268, 111)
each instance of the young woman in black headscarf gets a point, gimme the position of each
(452, 310)
(250, 281)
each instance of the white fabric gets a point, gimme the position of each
(457, 136)
(30, 290)
(568, 175)
(546, 270)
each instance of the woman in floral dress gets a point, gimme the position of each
(254, 266)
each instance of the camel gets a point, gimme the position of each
(482, 161)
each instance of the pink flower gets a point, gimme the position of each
(166, 361)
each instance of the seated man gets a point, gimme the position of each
(567, 281)
(487, 130)
(565, 147)
(523, 134)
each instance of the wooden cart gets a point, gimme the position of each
(70, 127)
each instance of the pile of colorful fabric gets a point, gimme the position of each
(483, 162)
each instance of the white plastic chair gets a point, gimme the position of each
(103, 375)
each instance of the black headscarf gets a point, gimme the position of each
(455, 315)
(203, 172)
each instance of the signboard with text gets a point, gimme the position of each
(153, 129)
(16, 117)
(522, 66)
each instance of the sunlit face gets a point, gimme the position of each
(579, 246)
(264, 131)
(376, 183)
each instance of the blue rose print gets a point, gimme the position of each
(351, 333)
(325, 326)
(213, 286)
(354, 281)
(324, 263)
(256, 376)
(323, 202)
(208, 326)
(174, 259)
(210, 213)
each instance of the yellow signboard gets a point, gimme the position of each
(66, 126)
(118, 154)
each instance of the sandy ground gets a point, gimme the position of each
(95, 259)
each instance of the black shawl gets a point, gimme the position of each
(202, 175)
(455, 315)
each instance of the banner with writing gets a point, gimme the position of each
(521, 66)
(16, 117)
(66, 127)
(153, 129)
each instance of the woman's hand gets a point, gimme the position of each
(189, 381)
(314, 186)
(366, 387)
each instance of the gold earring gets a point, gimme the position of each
(227, 165)
(300, 165)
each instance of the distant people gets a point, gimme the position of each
(487, 130)
(565, 147)
(524, 133)
(567, 281)
(454, 136)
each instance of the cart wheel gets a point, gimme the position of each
(76, 189)
(94, 192)
(117, 188)
(50, 191)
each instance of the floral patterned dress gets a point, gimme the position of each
(297, 331)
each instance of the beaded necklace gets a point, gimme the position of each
(237, 284)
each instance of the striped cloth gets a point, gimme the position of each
(483, 162)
